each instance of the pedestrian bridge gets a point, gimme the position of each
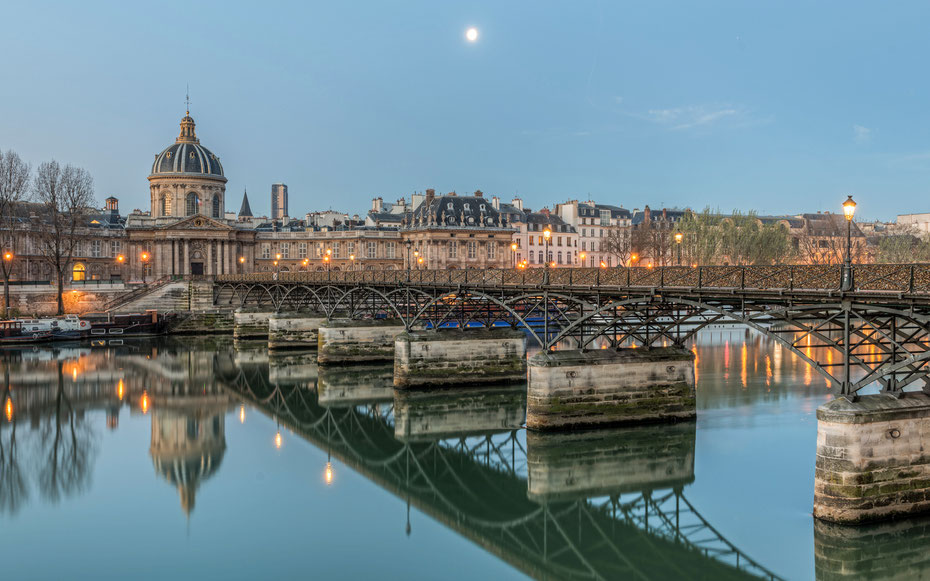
(877, 332)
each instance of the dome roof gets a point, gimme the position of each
(187, 156)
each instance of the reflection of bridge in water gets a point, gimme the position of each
(594, 505)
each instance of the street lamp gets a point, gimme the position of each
(351, 262)
(305, 263)
(633, 258)
(7, 263)
(145, 261)
(547, 234)
(419, 262)
(849, 209)
(241, 264)
(582, 256)
(513, 253)
(408, 259)
(678, 237)
(326, 261)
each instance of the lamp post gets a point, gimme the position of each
(408, 259)
(678, 237)
(416, 256)
(513, 253)
(547, 234)
(351, 262)
(326, 260)
(419, 263)
(849, 209)
(633, 258)
(241, 264)
(581, 257)
(145, 261)
(305, 263)
(7, 269)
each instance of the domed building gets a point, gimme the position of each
(187, 230)
(187, 178)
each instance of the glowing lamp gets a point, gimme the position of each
(678, 237)
(328, 473)
(849, 208)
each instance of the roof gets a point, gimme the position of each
(245, 211)
(187, 156)
(452, 211)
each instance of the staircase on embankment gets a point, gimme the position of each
(166, 296)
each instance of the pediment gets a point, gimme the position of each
(198, 223)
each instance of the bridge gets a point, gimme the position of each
(878, 331)
(490, 486)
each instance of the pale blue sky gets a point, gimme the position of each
(782, 107)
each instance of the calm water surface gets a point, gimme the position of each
(201, 459)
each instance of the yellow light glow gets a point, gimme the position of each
(120, 389)
(849, 208)
(242, 260)
(649, 265)
(120, 258)
(8, 256)
(420, 260)
(277, 256)
(547, 234)
(8, 409)
(145, 402)
(603, 264)
(678, 237)
(329, 251)
(74, 374)
(278, 441)
(328, 473)
(145, 256)
(242, 414)
(513, 246)
(325, 259)
(552, 264)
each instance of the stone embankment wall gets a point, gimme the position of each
(873, 462)
(347, 341)
(33, 302)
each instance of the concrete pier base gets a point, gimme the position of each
(356, 385)
(460, 411)
(609, 387)
(249, 324)
(347, 341)
(459, 357)
(873, 458)
(567, 466)
(888, 550)
(294, 330)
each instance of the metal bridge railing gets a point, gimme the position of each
(900, 278)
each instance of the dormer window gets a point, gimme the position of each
(466, 207)
(482, 207)
(449, 206)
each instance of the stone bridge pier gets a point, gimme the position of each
(295, 330)
(343, 341)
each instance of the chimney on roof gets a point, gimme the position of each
(479, 194)
(496, 202)
(430, 196)
(517, 203)
(377, 204)
(665, 213)
(647, 214)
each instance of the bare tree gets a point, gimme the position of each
(618, 244)
(14, 180)
(65, 195)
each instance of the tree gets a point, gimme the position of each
(64, 196)
(618, 244)
(14, 180)
(714, 238)
(903, 248)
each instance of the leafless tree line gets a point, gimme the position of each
(63, 196)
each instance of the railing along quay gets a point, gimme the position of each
(883, 278)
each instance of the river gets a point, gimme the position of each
(197, 458)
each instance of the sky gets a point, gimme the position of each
(778, 107)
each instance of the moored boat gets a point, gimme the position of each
(60, 328)
(133, 324)
(13, 333)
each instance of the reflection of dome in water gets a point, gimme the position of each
(187, 448)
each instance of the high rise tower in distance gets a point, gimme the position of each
(278, 201)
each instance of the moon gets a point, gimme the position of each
(471, 35)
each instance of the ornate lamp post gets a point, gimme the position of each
(408, 259)
(326, 261)
(305, 263)
(7, 269)
(351, 262)
(419, 263)
(547, 234)
(849, 209)
(633, 258)
(678, 237)
(581, 257)
(145, 261)
(241, 264)
(513, 253)
(416, 256)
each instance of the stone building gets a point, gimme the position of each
(451, 231)
(603, 231)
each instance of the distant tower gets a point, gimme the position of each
(245, 211)
(278, 201)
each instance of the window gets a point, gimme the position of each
(540, 240)
(492, 250)
(266, 250)
(584, 231)
(559, 241)
(78, 272)
(531, 240)
(389, 249)
(165, 204)
(465, 205)
(319, 249)
(216, 206)
(583, 245)
(115, 247)
(285, 250)
(192, 204)
(560, 257)
(605, 217)
(453, 249)
(350, 248)
(337, 251)
(472, 250)
(95, 246)
(481, 207)
(372, 249)
(301, 250)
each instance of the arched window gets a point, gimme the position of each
(165, 204)
(192, 205)
(78, 272)
(216, 206)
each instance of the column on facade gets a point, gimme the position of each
(186, 262)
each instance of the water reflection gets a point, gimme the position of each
(600, 504)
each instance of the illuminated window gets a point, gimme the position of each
(78, 272)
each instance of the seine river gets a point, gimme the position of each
(200, 459)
